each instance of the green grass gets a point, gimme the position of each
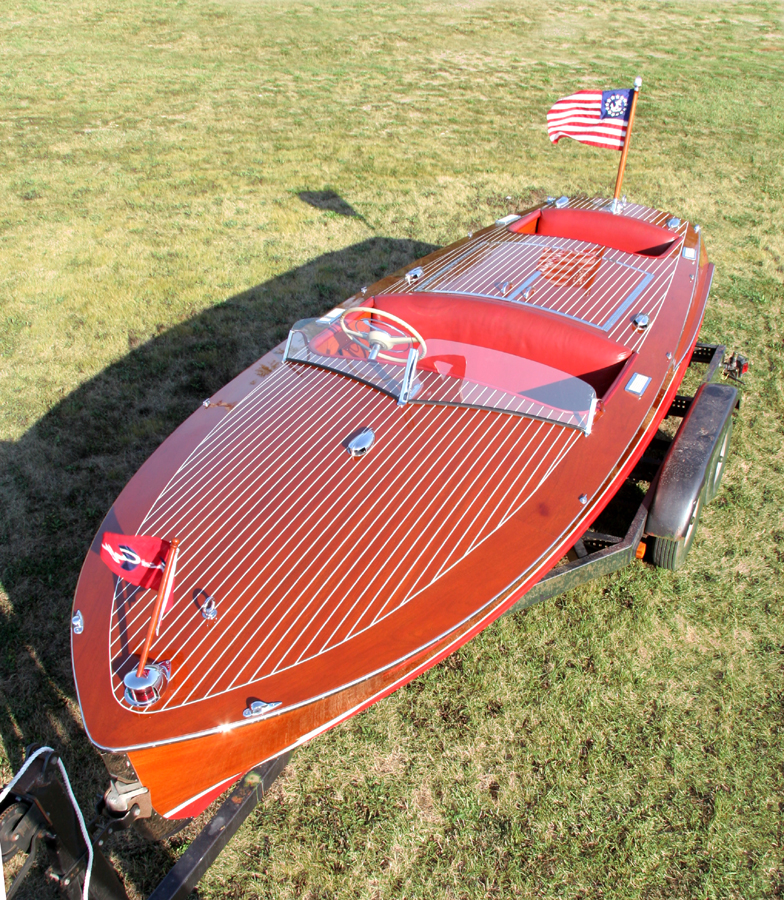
(622, 741)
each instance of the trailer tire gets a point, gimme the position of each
(10, 817)
(716, 471)
(671, 554)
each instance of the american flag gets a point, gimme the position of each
(598, 118)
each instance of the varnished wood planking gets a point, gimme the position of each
(399, 629)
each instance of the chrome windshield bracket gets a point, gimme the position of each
(144, 690)
(591, 414)
(288, 345)
(408, 375)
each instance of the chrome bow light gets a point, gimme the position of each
(146, 689)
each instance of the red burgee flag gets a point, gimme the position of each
(137, 558)
(598, 118)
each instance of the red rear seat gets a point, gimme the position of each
(530, 333)
(618, 232)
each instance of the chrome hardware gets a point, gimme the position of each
(689, 253)
(329, 317)
(406, 391)
(641, 321)
(470, 234)
(637, 384)
(288, 345)
(691, 277)
(674, 222)
(364, 290)
(591, 414)
(668, 355)
(504, 287)
(77, 622)
(259, 708)
(361, 443)
(507, 220)
(206, 403)
(583, 498)
(144, 691)
(122, 796)
(551, 199)
(209, 609)
(414, 274)
(697, 229)
(561, 202)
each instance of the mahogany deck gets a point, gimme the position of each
(337, 579)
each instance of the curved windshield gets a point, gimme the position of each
(440, 371)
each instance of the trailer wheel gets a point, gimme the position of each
(10, 817)
(716, 471)
(671, 554)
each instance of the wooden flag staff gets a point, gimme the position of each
(625, 150)
(160, 602)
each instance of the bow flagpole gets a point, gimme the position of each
(599, 119)
(167, 583)
(625, 150)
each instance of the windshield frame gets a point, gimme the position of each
(406, 382)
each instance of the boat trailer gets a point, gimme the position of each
(683, 473)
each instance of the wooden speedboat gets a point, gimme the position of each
(371, 494)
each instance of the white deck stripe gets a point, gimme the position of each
(472, 264)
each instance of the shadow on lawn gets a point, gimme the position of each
(59, 480)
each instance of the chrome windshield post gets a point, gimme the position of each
(591, 414)
(408, 375)
(288, 345)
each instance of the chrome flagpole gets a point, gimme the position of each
(625, 150)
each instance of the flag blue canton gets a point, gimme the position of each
(615, 104)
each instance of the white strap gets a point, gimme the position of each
(10, 786)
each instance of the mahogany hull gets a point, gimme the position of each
(196, 741)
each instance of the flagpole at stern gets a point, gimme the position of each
(163, 594)
(625, 150)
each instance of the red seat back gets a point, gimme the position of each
(534, 334)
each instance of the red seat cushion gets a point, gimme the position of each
(544, 337)
(604, 228)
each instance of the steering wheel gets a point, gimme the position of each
(379, 342)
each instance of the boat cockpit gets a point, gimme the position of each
(466, 351)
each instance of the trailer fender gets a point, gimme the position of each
(692, 463)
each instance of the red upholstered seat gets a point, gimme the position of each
(606, 229)
(534, 334)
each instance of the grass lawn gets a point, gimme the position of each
(179, 182)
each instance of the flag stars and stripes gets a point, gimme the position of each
(596, 118)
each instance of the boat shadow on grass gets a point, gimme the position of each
(59, 480)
